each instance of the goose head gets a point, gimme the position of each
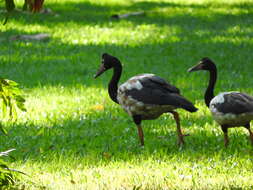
(108, 62)
(204, 64)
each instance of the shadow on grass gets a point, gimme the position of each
(185, 16)
(58, 64)
(45, 63)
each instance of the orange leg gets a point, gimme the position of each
(179, 132)
(137, 121)
(141, 136)
(250, 133)
(225, 131)
(251, 136)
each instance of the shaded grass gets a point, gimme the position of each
(74, 137)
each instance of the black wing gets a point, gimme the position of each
(158, 81)
(157, 91)
(236, 103)
(150, 80)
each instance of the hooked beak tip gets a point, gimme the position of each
(96, 75)
(99, 72)
(190, 70)
(195, 68)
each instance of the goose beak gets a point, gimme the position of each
(100, 71)
(196, 67)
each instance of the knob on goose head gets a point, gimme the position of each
(204, 64)
(107, 62)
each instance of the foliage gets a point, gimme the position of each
(6, 174)
(31, 5)
(74, 137)
(11, 99)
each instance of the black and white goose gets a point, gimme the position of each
(229, 109)
(145, 96)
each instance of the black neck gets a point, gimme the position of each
(209, 95)
(113, 84)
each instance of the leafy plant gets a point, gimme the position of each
(7, 176)
(11, 100)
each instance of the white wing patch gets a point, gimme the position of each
(218, 116)
(134, 82)
(134, 85)
(138, 77)
(219, 99)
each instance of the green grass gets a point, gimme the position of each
(74, 137)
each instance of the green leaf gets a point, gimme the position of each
(3, 130)
(21, 106)
(19, 99)
(12, 99)
(13, 112)
(5, 153)
(4, 107)
(11, 82)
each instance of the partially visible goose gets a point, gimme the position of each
(145, 96)
(229, 109)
